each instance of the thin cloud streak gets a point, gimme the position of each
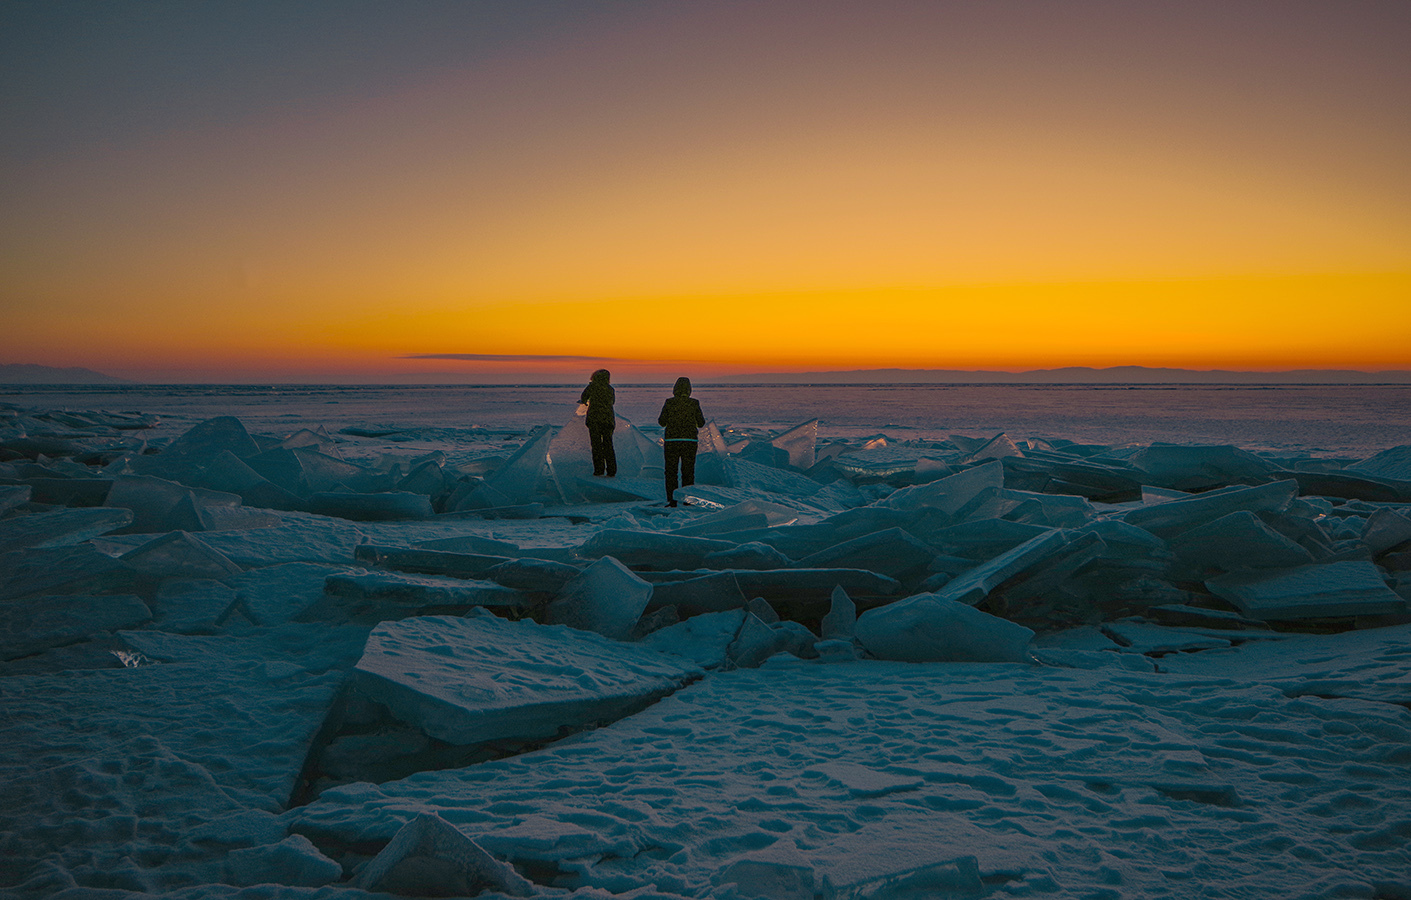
(512, 357)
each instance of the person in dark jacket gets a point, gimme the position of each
(681, 416)
(601, 420)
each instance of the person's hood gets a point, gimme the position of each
(683, 387)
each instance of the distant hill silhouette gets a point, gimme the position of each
(1074, 375)
(25, 373)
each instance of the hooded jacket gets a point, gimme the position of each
(600, 396)
(681, 416)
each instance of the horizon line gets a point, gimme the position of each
(42, 376)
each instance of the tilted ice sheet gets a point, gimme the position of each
(1344, 588)
(1394, 463)
(481, 678)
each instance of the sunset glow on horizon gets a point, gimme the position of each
(739, 187)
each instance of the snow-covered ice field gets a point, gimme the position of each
(395, 640)
(1354, 420)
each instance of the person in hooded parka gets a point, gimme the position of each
(681, 416)
(601, 420)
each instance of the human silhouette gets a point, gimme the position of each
(681, 416)
(601, 420)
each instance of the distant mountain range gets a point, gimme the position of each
(1073, 375)
(24, 373)
(15, 373)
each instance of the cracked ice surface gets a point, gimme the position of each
(1062, 783)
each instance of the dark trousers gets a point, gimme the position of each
(604, 459)
(685, 453)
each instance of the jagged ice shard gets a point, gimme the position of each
(703, 639)
(1175, 516)
(430, 858)
(1393, 463)
(932, 628)
(568, 457)
(799, 442)
(607, 598)
(514, 483)
(951, 493)
(1239, 540)
(1185, 467)
(974, 585)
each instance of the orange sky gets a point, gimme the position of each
(751, 187)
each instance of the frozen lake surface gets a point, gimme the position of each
(326, 649)
(1344, 420)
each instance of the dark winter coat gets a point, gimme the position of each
(599, 396)
(681, 415)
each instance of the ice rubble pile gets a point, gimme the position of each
(1048, 534)
(779, 533)
(223, 548)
